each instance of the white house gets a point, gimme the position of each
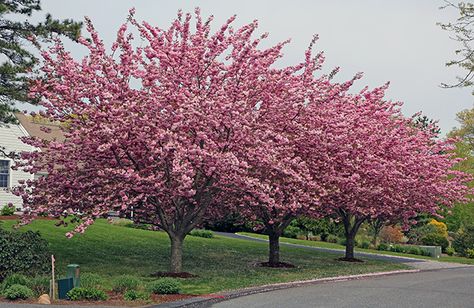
(10, 140)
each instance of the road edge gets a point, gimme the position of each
(206, 300)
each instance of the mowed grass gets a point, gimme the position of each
(320, 244)
(221, 263)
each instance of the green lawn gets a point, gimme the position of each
(221, 263)
(444, 258)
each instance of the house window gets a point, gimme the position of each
(4, 173)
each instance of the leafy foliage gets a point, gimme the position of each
(462, 30)
(14, 279)
(7, 210)
(450, 251)
(18, 291)
(410, 249)
(39, 285)
(132, 295)
(202, 233)
(89, 294)
(433, 239)
(391, 234)
(23, 252)
(165, 286)
(464, 240)
(470, 253)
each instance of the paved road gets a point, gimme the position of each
(422, 264)
(438, 288)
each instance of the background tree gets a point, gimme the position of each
(381, 165)
(462, 30)
(462, 214)
(17, 61)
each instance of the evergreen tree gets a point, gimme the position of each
(16, 61)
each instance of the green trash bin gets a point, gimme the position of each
(64, 286)
(74, 272)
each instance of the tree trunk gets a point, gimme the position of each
(351, 226)
(350, 244)
(274, 249)
(176, 258)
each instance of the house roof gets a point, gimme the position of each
(33, 124)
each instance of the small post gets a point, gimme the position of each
(53, 283)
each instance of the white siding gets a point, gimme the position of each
(9, 138)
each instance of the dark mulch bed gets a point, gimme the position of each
(350, 260)
(174, 275)
(278, 265)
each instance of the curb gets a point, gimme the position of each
(207, 300)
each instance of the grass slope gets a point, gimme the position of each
(221, 263)
(320, 244)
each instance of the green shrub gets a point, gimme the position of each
(23, 252)
(292, 232)
(202, 233)
(364, 244)
(91, 280)
(397, 248)
(7, 210)
(470, 253)
(18, 291)
(39, 285)
(14, 279)
(434, 239)
(133, 295)
(125, 283)
(88, 294)
(165, 286)
(464, 240)
(331, 238)
(383, 247)
(414, 250)
(450, 251)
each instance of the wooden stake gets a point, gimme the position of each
(53, 283)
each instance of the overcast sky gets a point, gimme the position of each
(396, 41)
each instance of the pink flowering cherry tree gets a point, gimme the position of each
(381, 166)
(157, 130)
(279, 184)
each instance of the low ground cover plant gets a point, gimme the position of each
(89, 294)
(7, 210)
(165, 286)
(133, 295)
